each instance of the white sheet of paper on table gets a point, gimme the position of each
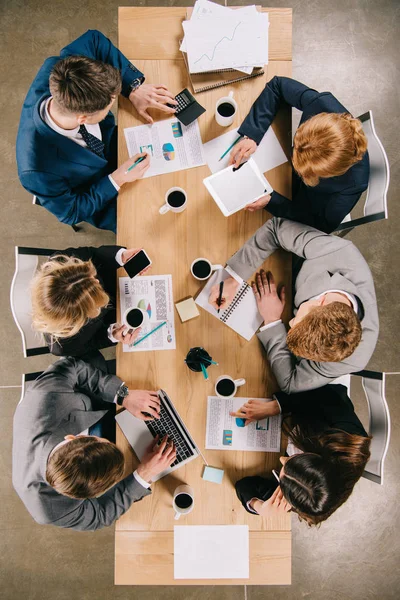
(211, 552)
(268, 155)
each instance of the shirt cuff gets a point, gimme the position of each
(250, 508)
(117, 187)
(110, 335)
(233, 274)
(268, 325)
(140, 480)
(116, 395)
(118, 257)
(276, 400)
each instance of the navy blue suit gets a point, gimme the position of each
(70, 180)
(325, 205)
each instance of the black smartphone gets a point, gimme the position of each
(137, 264)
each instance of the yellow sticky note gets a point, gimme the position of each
(187, 309)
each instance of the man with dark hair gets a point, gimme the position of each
(67, 142)
(65, 474)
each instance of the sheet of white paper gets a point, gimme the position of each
(220, 44)
(172, 146)
(152, 293)
(224, 432)
(211, 552)
(268, 155)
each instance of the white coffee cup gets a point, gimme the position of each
(182, 495)
(235, 383)
(145, 317)
(168, 207)
(226, 121)
(211, 268)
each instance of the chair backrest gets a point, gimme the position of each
(379, 422)
(26, 262)
(375, 207)
(27, 381)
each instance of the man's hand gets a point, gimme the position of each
(124, 334)
(275, 506)
(156, 459)
(122, 175)
(130, 253)
(242, 151)
(260, 203)
(143, 404)
(269, 304)
(255, 410)
(152, 96)
(230, 288)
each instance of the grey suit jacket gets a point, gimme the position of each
(330, 262)
(67, 398)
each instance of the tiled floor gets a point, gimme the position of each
(348, 47)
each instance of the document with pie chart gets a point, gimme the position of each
(171, 145)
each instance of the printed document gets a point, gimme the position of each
(172, 146)
(211, 552)
(224, 432)
(269, 153)
(154, 295)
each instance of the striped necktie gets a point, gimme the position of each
(92, 142)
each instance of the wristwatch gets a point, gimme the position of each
(122, 393)
(136, 83)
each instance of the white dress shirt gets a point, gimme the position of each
(73, 134)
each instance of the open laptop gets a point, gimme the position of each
(141, 433)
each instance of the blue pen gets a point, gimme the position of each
(139, 160)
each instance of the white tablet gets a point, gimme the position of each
(232, 189)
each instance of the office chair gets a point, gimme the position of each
(35, 200)
(373, 384)
(26, 262)
(375, 207)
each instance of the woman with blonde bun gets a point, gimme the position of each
(330, 158)
(74, 300)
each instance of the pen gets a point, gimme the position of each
(147, 334)
(139, 160)
(221, 288)
(230, 147)
(204, 371)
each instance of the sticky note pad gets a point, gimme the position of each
(187, 309)
(213, 474)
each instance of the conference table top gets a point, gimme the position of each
(144, 534)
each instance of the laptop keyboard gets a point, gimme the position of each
(165, 426)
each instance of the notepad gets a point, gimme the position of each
(242, 314)
(234, 188)
(211, 552)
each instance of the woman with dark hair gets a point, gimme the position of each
(327, 452)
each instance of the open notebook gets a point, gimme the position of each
(242, 314)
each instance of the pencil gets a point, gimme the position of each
(204, 370)
(139, 160)
(221, 288)
(230, 147)
(150, 332)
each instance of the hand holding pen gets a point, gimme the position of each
(132, 169)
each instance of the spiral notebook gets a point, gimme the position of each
(242, 314)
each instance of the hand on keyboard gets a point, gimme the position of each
(143, 404)
(157, 458)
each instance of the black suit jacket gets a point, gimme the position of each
(325, 408)
(325, 205)
(93, 335)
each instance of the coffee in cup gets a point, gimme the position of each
(183, 501)
(201, 268)
(134, 317)
(226, 386)
(175, 201)
(225, 110)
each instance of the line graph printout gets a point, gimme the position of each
(212, 45)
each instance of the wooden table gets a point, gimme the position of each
(144, 535)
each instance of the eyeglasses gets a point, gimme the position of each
(276, 475)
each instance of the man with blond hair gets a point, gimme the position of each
(335, 326)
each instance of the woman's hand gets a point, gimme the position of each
(260, 203)
(255, 410)
(275, 506)
(122, 333)
(228, 293)
(242, 151)
(130, 253)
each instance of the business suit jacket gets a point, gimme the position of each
(93, 334)
(325, 205)
(69, 180)
(330, 262)
(67, 398)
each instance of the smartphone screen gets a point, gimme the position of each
(137, 263)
